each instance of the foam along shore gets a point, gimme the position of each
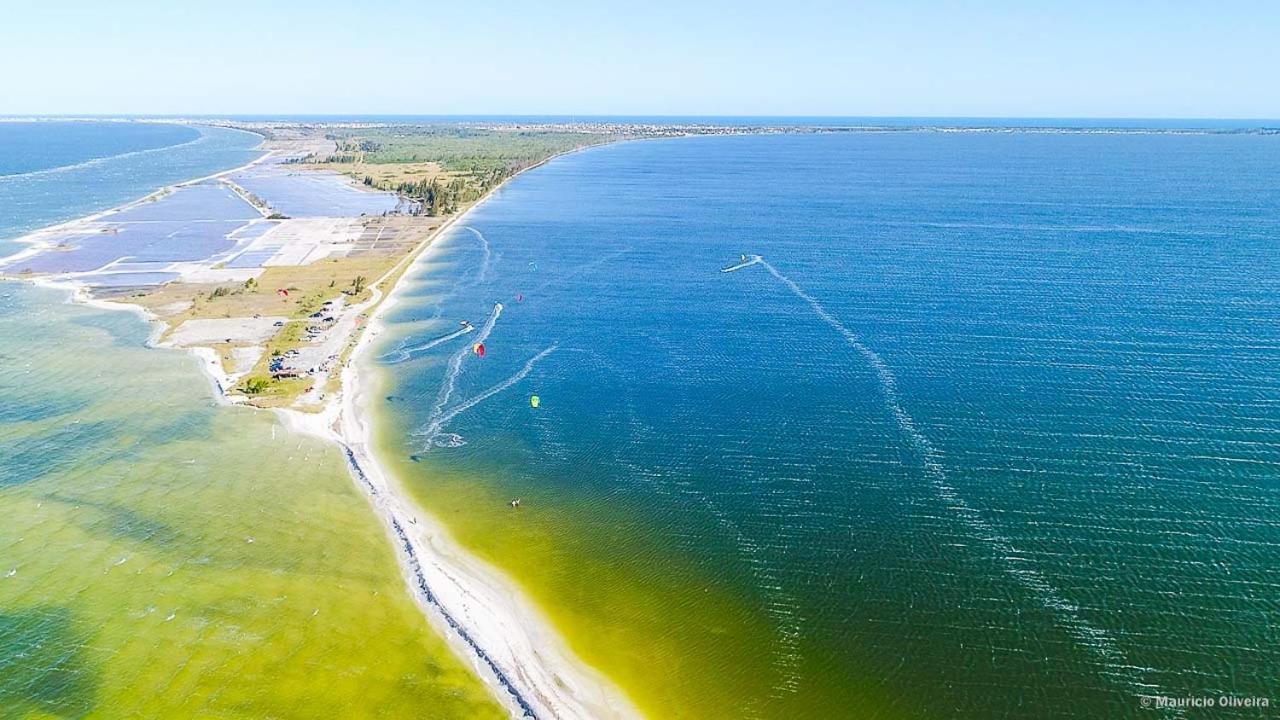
(481, 612)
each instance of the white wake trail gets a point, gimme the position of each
(751, 260)
(434, 428)
(455, 363)
(401, 353)
(483, 273)
(1102, 645)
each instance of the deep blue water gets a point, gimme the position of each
(1000, 428)
(128, 499)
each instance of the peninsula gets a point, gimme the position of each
(274, 275)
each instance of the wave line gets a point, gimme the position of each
(92, 162)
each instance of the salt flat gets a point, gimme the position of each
(225, 330)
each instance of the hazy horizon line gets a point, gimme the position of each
(629, 116)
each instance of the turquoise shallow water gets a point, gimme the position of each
(995, 437)
(165, 557)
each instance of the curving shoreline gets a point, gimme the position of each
(38, 240)
(480, 612)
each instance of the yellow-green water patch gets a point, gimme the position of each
(163, 557)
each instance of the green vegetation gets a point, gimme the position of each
(308, 288)
(445, 169)
(459, 149)
(269, 391)
(256, 385)
(448, 167)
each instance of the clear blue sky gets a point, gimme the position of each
(1085, 58)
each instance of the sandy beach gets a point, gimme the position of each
(482, 613)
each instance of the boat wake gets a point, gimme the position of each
(1017, 563)
(455, 363)
(434, 428)
(747, 261)
(402, 353)
(583, 269)
(433, 431)
(482, 273)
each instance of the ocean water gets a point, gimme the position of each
(57, 190)
(56, 146)
(165, 557)
(991, 431)
(190, 223)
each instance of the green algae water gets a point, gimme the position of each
(166, 557)
(982, 425)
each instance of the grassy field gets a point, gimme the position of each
(459, 149)
(447, 167)
(308, 288)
